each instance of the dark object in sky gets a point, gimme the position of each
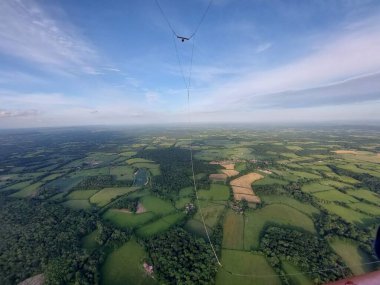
(183, 38)
(377, 243)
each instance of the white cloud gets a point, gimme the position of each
(30, 33)
(352, 53)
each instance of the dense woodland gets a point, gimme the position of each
(175, 170)
(182, 259)
(308, 252)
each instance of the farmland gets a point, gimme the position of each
(129, 189)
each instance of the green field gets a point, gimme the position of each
(296, 276)
(308, 175)
(335, 195)
(366, 195)
(154, 169)
(160, 225)
(89, 241)
(241, 262)
(125, 266)
(217, 192)
(346, 214)
(336, 184)
(316, 187)
(211, 213)
(351, 255)
(28, 191)
(104, 196)
(188, 191)
(122, 172)
(157, 205)
(366, 208)
(138, 160)
(282, 199)
(182, 202)
(196, 227)
(233, 231)
(128, 220)
(269, 180)
(78, 204)
(274, 214)
(81, 194)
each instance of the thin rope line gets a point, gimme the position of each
(197, 26)
(301, 272)
(179, 62)
(165, 17)
(202, 19)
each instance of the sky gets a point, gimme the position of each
(92, 62)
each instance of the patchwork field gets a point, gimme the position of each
(233, 231)
(242, 187)
(241, 262)
(352, 255)
(128, 220)
(160, 225)
(273, 214)
(217, 192)
(125, 266)
(106, 195)
(346, 214)
(296, 276)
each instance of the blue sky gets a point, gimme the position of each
(114, 62)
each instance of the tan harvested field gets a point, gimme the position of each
(249, 198)
(218, 176)
(230, 166)
(140, 209)
(242, 187)
(342, 151)
(34, 280)
(230, 172)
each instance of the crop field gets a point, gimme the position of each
(366, 208)
(302, 174)
(196, 227)
(104, 196)
(246, 263)
(186, 192)
(211, 213)
(316, 187)
(89, 241)
(270, 180)
(336, 184)
(346, 214)
(273, 214)
(242, 187)
(182, 202)
(28, 191)
(125, 266)
(122, 172)
(160, 225)
(81, 194)
(217, 192)
(128, 220)
(152, 167)
(352, 255)
(138, 160)
(296, 277)
(366, 195)
(78, 204)
(335, 195)
(157, 205)
(233, 234)
(282, 199)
